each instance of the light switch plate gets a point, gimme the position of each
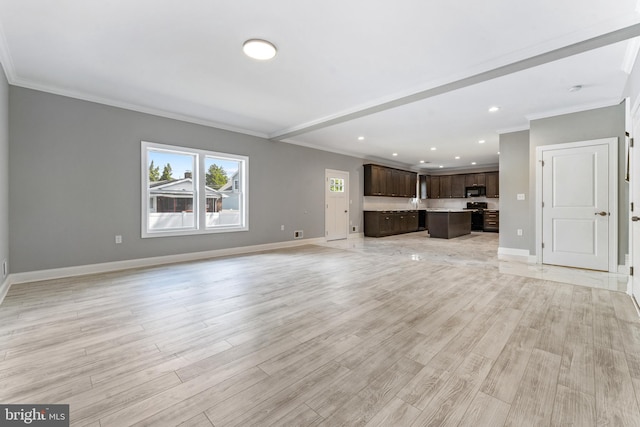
(520, 196)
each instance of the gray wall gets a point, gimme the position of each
(514, 180)
(4, 170)
(593, 124)
(74, 183)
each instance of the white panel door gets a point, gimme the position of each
(575, 213)
(635, 219)
(336, 204)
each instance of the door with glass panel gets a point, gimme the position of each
(336, 204)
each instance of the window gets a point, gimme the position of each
(192, 191)
(336, 185)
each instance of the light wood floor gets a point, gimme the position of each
(327, 336)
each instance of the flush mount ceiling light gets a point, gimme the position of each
(395, 154)
(494, 109)
(457, 157)
(482, 141)
(361, 138)
(473, 163)
(261, 50)
(433, 148)
(421, 161)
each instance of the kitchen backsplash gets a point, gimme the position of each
(461, 203)
(374, 203)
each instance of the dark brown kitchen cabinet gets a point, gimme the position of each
(384, 181)
(491, 220)
(493, 185)
(388, 223)
(475, 180)
(445, 186)
(435, 187)
(457, 186)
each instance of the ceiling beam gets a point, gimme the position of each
(514, 67)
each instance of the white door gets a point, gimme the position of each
(635, 218)
(337, 204)
(576, 213)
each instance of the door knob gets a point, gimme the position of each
(345, 211)
(635, 218)
(603, 213)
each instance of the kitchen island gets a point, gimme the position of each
(448, 223)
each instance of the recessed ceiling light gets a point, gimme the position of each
(494, 109)
(361, 138)
(482, 141)
(473, 163)
(498, 153)
(394, 154)
(440, 166)
(433, 148)
(259, 49)
(457, 157)
(421, 161)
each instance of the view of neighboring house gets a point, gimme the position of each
(171, 204)
(176, 195)
(231, 193)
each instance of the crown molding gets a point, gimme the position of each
(574, 109)
(134, 107)
(513, 129)
(5, 58)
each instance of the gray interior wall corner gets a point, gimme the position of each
(4, 171)
(75, 183)
(514, 180)
(598, 123)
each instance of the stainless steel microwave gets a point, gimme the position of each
(476, 191)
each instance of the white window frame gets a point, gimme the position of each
(200, 191)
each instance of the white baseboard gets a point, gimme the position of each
(520, 255)
(4, 288)
(81, 270)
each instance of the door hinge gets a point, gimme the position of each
(543, 245)
(631, 142)
(543, 204)
(542, 162)
(630, 271)
(631, 206)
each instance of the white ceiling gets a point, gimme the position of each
(393, 72)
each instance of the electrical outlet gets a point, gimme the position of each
(5, 269)
(298, 234)
(282, 228)
(118, 239)
(354, 229)
(519, 231)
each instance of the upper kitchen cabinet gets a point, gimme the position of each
(383, 181)
(435, 187)
(445, 186)
(475, 180)
(458, 185)
(493, 185)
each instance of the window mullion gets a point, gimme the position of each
(201, 192)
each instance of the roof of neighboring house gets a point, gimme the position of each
(178, 187)
(229, 185)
